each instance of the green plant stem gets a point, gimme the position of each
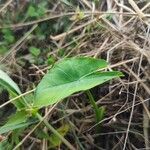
(55, 132)
(93, 103)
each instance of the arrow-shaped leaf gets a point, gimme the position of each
(69, 76)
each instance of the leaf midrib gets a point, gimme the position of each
(71, 82)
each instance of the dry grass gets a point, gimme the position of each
(115, 30)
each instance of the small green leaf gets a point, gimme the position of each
(37, 11)
(9, 38)
(50, 60)
(35, 51)
(31, 12)
(70, 76)
(9, 82)
(8, 35)
(16, 121)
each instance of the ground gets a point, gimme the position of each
(34, 35)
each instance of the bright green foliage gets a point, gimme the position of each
(70, 76)
(7, 39)
(65, 78)
(99, 111)
(11, 86)
(31, 11)
(8, 83)
(17, 120)
(5, 145)
(8, 36)
(37, 11)
(50, 60)
(35, 51)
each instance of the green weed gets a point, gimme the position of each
(68, 76)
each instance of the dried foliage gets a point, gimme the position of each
(33, 37)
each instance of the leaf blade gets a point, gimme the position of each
(15, 121)
(70, 76)
(5, 78)
(12, 87)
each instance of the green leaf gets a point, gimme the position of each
(16, 121)
(35, 51)
(5, 145)
(11, 86)
(9, 83)
(70, 76)
(50, 60)
(9, 38)
(37, 10)
(8, 35)
(101, 113)
(31, 12)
